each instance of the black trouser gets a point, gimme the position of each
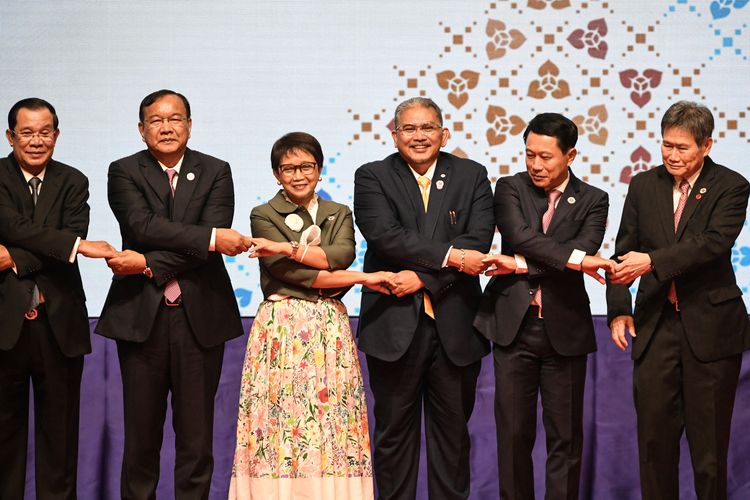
(56, 379)
(169, 360)
(674, 391)
(522, 370)
(423, 375)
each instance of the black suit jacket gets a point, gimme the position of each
(40, 242)
(578, 223)
(174, 235)
(390, 214)
(698, 257)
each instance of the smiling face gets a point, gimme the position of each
(546, 163)
(166, 129)
(419, 149)
(298, 186)
(682, 156)
(33, 139)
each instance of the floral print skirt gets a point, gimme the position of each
(302, 424)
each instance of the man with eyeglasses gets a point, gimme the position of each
(44, 330)
(171, 305)
(427, 216)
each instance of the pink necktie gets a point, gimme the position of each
(172, 290)
(552, 198)
(684, 188)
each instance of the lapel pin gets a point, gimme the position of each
(190, 176)
(571, 200)
(703, 191)
(442, 175)
(698, 196)
(439, 184)
(331, 217)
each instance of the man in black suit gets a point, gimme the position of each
(171, 305)
(426, 215)
(44, 331)
(679, 223)
(536, 309)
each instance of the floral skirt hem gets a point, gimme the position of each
(302, 423)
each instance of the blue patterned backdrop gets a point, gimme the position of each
(254, 71)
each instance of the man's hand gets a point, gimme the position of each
(404, 282)
(231, 242)
(378, 281)
(618, 326)
(96, 249)
(473, 261)
(499, 264)
(632, 265)
(591, 265)
(127, 262)
(6, 261)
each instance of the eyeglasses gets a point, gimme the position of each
(426, 129)
(288, 170)
(25, 136)
(175, 121)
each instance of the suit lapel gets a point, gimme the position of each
(156, 178)
(48, 193)
(565, 204)
(665, 203)
(440, 182)
(538, 199)
(325, 210)
(22, 187)
(411, 190)
(702, 183)
(189, 176)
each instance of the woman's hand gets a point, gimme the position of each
(261, 247)
(378, 281)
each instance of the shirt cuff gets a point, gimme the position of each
(521, 266)
(445, 260)
(73, 254)
(576, 257)
(212, 243)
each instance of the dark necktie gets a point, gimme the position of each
(552, 198)
(172, 291)
(684, 188)
(36, 297)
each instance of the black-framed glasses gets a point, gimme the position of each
(175, 121)
(26, 136)
(307, 168)
(426, 129)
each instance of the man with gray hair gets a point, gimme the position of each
(679, 223)
(427, 216)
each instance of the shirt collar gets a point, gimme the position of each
(28, 176)
(691, 180)
(313, 206)
(176, 168)
(430, 171)
(563, 184)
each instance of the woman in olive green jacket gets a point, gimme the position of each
(302, 424)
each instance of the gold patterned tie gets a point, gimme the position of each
(424, 186)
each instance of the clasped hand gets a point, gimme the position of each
(632, 265)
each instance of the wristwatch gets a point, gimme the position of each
(295, 247)
(148, 272)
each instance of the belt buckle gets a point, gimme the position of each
(32, 314)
